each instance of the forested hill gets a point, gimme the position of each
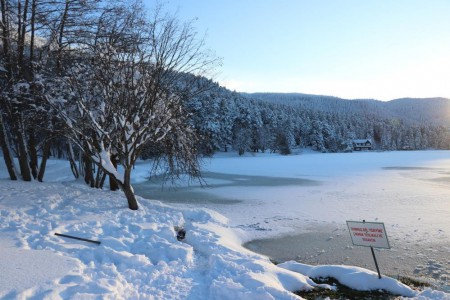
(410, 110)
(281, 122)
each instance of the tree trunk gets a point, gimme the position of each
(45, 155)
(88, 172)
(23, 154)
(80, 163)
(102, 181)
(33, 153)
(60, 37)
(9, 162)
(128, 189)
(98, 177)
(32, 21)
(113, 186)
(23, 160)
(131, 198)
(21, 36)
(73, 165)
(5, 37)
(60, 152)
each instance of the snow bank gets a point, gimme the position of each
(361, 279)
(139, 255)
(354, 277)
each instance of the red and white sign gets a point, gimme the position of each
(368, 234)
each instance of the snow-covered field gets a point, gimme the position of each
(140, 257)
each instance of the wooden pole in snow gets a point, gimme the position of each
(77, 238)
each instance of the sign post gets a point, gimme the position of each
(376, 263)
(369, 234)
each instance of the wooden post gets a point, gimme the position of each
(376, 264)
(77, 238)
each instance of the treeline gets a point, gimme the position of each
(412, 111)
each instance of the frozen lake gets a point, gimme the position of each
(300, 204)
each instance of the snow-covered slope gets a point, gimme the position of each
(139, 256)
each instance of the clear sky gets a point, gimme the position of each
(380, 49)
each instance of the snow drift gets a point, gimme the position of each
(139, 255)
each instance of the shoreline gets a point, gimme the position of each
(331, 245)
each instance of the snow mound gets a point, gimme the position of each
(362, 279)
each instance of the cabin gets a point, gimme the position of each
(365, 144)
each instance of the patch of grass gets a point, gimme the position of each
(343, 292)
(413, 282)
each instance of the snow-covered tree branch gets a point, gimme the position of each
(125, 91)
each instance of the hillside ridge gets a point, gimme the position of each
(433, 110)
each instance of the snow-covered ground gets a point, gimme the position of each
(140, 257)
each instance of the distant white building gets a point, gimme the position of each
(364, 144)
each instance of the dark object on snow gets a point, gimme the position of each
(77, 238)
(181, 234)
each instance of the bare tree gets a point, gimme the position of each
(127, 90)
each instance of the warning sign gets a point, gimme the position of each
(368, 234)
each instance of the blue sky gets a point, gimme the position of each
(381, 49)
